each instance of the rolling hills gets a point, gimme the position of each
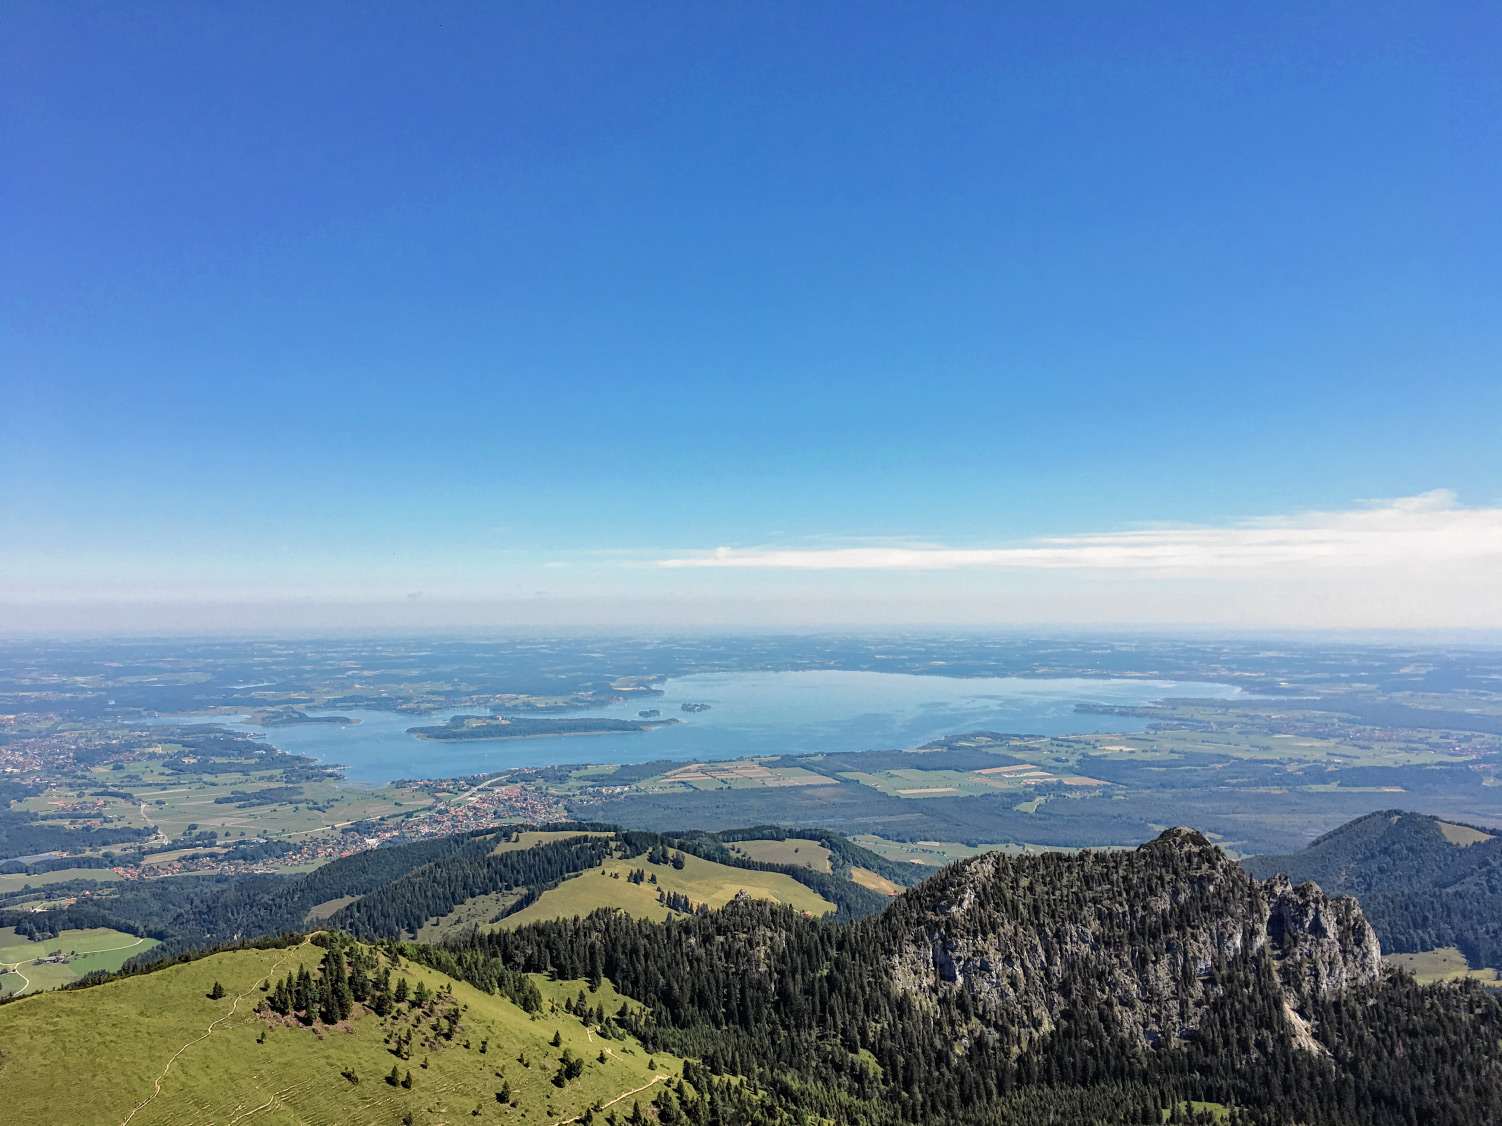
(440, 886)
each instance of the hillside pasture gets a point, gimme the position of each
(794, 852)
(177, 1057)
(1443, 964)
(98, 948)
(533, 838)
(869, 879)
(702, 881)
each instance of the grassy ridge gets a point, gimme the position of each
(702, 881)
(212, 1067)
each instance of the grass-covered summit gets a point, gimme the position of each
(322, 1031)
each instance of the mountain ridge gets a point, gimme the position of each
(1096, 987)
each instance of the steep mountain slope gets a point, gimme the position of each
(1099, 988)
(1423, 883)
(1147, 929)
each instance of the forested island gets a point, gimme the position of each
(464, 728)
(292, 717)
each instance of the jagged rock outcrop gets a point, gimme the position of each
(1323, 944)
(1155, 939)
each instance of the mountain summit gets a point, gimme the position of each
(1152, 931)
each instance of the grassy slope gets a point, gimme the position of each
(535, 837)
(1444, 964)
(869, 879)
(795, 851)
(127, 1032)
(475, 912)
(703, 881)
(98, 948)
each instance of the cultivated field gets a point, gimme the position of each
(85, 951)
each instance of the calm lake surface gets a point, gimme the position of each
(750, 714)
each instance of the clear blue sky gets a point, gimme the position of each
(293, 293)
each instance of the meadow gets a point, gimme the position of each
(1443, 964)
(702, 881)
(175, 1056)
(98, 948)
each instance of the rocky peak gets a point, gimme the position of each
(1321, 944)
(1160, 933)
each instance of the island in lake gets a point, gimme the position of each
(693, 707)
(291, 717)
(463, 728)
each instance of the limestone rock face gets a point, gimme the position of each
(1150, 939)
(1324, 945)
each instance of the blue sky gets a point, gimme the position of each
(483, 303)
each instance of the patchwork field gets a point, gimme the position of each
(175, 1056)
(172, 801)
(734, 774)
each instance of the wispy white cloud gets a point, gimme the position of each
(1426, 529)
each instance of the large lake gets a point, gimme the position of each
(750, 713)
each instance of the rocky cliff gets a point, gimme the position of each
(1156, 938)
